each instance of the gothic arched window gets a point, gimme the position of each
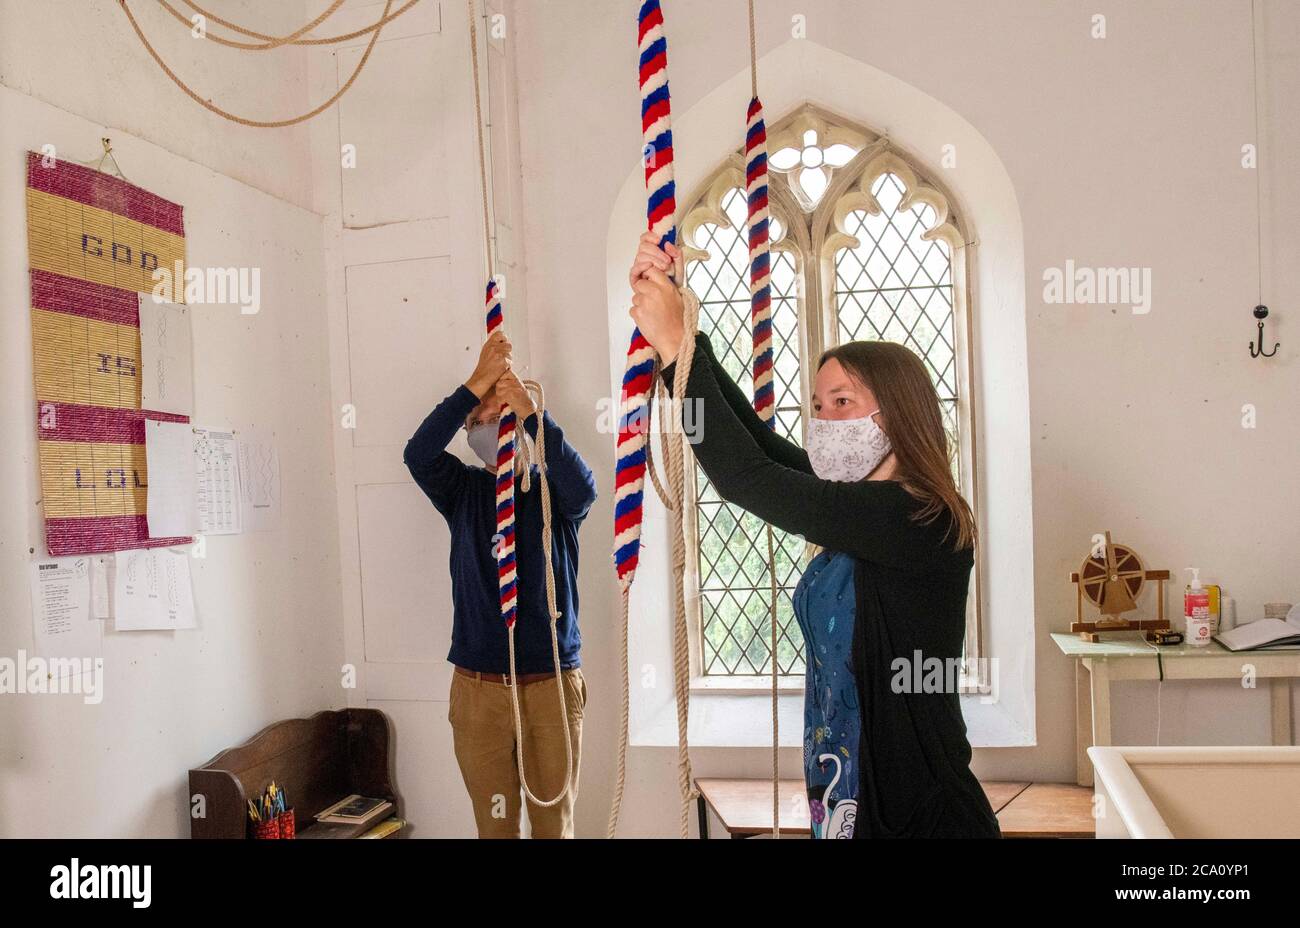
(865, 246)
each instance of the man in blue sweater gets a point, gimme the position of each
(479, 710)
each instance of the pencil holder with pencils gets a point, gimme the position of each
(271, 817)
(281, 825)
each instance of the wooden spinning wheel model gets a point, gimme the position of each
(1111, 577)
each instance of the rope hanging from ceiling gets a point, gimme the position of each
(293, 38)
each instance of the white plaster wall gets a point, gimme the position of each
(269, 642)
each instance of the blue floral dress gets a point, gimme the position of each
(824, 605)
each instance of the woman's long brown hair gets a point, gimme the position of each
(909, 407)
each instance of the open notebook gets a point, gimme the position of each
(1264, 633)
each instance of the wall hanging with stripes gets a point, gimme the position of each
(94, 242)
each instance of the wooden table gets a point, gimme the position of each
(744, 808)
(1127, 656)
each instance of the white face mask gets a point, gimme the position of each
(482, 440)
(846, 450)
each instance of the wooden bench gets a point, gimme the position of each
(317, 761)
(1024, 810)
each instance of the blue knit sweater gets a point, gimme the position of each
(466, 497)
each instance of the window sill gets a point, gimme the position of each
(786, 685)
(725, 720)
(743, 719)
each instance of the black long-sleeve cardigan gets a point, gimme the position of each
(911, 585)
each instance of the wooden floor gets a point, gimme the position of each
(743, 808)
(1042, 810)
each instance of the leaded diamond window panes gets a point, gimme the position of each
(735, 575)
(896, 286)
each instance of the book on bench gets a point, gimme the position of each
(1264, 634)
(354, 810)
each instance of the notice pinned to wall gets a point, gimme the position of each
(259, 476)
(216, 473)
(152, 590)
(166, 364)
(100, 603)
(212, 481)
(61, 611)
(173, 495)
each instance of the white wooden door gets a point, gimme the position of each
(405, 257)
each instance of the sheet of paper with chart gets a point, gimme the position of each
(259, 480)
(216, 471)
(152, 590)
(166, 364)
(61, 609)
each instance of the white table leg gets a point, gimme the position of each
(1082, 724)
(1100, 674)
(1280, 696)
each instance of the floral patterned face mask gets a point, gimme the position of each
(846, 450)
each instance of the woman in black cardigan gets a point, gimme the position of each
(883, 606)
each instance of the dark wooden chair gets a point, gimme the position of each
(317, 761)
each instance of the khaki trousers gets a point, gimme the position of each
(483, 731)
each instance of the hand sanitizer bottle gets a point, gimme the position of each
(1196, 610)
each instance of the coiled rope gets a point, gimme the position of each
(507, 461)
(292, 39)
(271, 41)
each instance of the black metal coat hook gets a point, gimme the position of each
(1261, 313)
